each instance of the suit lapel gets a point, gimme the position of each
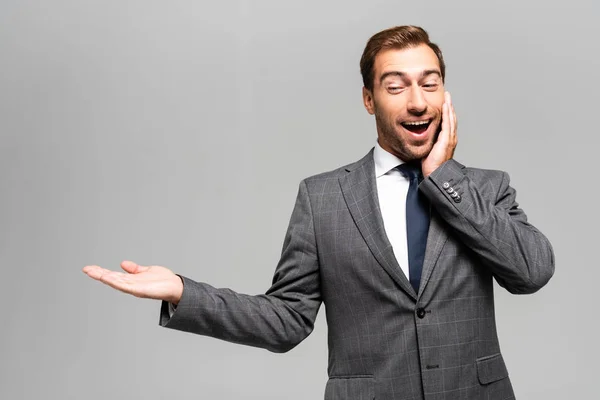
(436, 238)
(360, 193)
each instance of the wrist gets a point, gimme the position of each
(428, 169)
(177, 291)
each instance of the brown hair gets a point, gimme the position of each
(399, 37)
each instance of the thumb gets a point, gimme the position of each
(133, 268)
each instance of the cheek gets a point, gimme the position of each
(391, 107)
(436, 100)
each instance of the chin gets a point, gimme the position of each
(413, 151)
(420, 154)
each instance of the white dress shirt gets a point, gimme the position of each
(392, 188)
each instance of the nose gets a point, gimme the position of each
(416, 101)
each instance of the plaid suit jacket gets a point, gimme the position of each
(385, 340)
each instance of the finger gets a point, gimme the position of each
(104, 275)
(448, 98)
(444, 134)
(455, 119)
(119, 281)
(88, 268)
(452, 120)
(447, 111)
(454, 126)
(132, 267)
(94, 271)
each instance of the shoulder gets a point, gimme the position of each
(328, 178)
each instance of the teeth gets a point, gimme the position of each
(416, 123)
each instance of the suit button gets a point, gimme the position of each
(421, 313)
(446, 185)
(457, 199)
(450, 190)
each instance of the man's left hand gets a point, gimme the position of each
(443, 149)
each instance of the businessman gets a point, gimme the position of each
(401, 246)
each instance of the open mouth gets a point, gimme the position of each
(417, 127)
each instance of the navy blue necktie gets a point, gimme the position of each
(417, 222)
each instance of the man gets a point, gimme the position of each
(402, 246)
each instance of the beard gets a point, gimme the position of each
(394, 140)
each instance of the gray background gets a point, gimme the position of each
(176, 133)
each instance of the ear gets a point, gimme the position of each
(368, 100)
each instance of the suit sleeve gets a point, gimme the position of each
(277, 320)
(494, 227)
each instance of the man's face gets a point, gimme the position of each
(407, 99)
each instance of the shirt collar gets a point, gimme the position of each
(384, 161)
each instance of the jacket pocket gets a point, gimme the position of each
(491, 368)
(351, 387)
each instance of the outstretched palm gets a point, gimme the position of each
(152, 282)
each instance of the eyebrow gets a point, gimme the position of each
(404, 74)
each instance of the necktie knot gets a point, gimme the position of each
(411, 170)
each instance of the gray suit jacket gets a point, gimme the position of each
(386, 341)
